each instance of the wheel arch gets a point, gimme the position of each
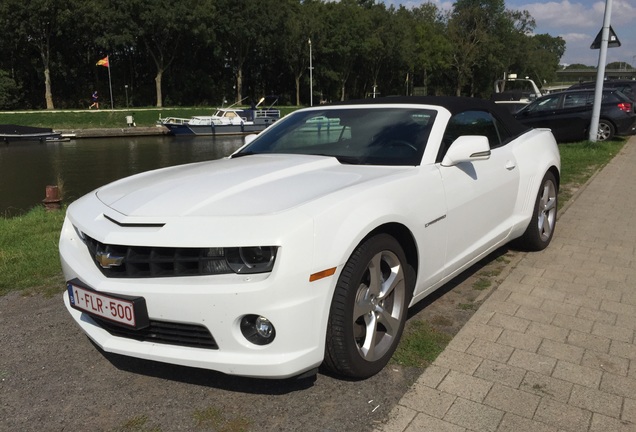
(404, 236)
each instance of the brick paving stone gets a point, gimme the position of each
(613, 332)
(460, 342)
(521, 340)
(563, 416)
(514, 423)
(425, 423)
(533, 362)
(481, 331)
(559, 307)
(596, 401)
(500, 373)
(513, 401)
(618, 308)
(427, 400)
(458, 361)
(547, 292)
(561, 276)
(603, 293)
(525, 300)
(509, 322)
(545, 386)
(474, 416)
(596, 315)
(547, 331)
(601, 423)
(629, 410)
(505, 307)
(490, 350)
(626, 321)
(605, 362)
(623, 349)
(589, 341)
(513, 284)
(577, 374)
(578, 300)
(561, 351)
(465, 386)
(572, 323)
(535, 314)
(432, 376)
(618, 385)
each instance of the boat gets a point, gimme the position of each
(512, 88)
(225, 121)
(11, 133)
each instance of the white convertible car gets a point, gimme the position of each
(308, 244)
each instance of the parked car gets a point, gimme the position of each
(308, 244)
(569, 114)
(627, 87)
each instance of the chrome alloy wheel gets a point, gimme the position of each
(379, 306)
(547, 210)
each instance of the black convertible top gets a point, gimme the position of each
(454, 104)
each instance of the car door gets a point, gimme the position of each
(480, 195)
(541, 113)
(574, 116)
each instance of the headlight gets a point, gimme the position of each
(251, 259)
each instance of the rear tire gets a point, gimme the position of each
(368, 309)
(541, 228)
(606, 130)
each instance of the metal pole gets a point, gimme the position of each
(600, 73)
(126, 87)
(311, 78)
(110, 84)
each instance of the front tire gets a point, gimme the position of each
(369, 308)
(541, 228)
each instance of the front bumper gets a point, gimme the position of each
(297, 308)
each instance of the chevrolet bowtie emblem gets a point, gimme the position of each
(107, 260)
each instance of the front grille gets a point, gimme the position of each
(148, 262)
(189, 335)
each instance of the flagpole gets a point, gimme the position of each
(110, 84)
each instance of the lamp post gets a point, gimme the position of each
(126, 87)
(311, 78)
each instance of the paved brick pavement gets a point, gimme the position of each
(552, 349)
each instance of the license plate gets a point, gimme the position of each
(127, 311)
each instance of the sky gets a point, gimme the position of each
(576, 21)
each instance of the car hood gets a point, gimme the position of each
(250, 185)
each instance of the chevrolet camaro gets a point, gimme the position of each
(306, 246)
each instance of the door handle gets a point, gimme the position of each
(510, 165)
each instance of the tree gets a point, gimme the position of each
(161, 26)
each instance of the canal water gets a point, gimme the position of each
(83, 165)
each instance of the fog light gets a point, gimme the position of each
(258, 329)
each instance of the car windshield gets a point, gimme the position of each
(370, 136)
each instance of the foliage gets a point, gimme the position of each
(208, 51)
(8, 91)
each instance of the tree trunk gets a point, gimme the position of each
(297, 90)
(158, 88)
(239, 84)
(342, 91)
(48, 96)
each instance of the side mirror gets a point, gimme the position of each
(467, 148)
